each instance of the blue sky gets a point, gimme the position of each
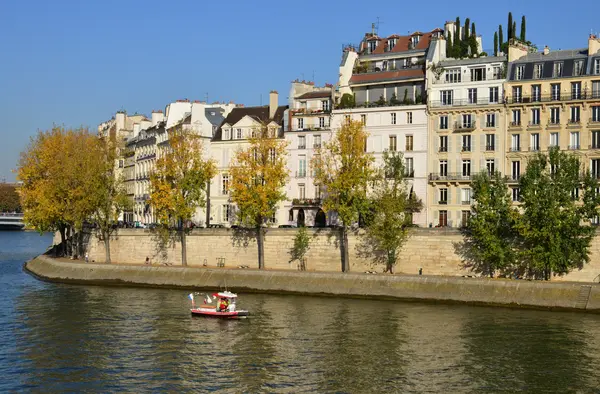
(76, 62)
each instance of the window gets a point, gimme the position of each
(517, 93)
(301, 166)
(301, 142)
(538, 70)
(464, 218)
(363, 119)
(443, 167)
(478, 74)
(225, 184)
(409, 118)
(595, 168)
(317, 141)
(472, 96)
(553, 139)
(519, 71)
(444, 143)
(372, 45)
(536, 93)
(321, 122)
(494, 94)
(239, 134)
(466, 168)
(453, 75)
(443, 219)
(443, 196)
(578, 67)
(490, 166)
(575, 112)
(325, 105)
(465, 196)
(516, 117)
(515, 142)
(558, 69)
(444, 122)
(415, 41)
(467, 121)
(497, 72)
(535, 117)
(391, 43)
(393, 118)
(516, 194)
(446, 97)
(301, 191)
(555, 91)
(596, 89)
(574, 140)
(595, 139)
(534, 144)
(409, 143)
(409, 165)
(226, 213)
(575, 194)
(575, 90)
(466, 143)
(555, 115)
(516, 170)
(596, 114)
(597, 66)
(490, 120)
(393, 143)
(300, 123)
(490, 142)
(227, 134)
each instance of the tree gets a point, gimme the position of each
(259, 175)
(490, 238)
(301, 247)
(9, 198)
(449, 46)
(392, 207)
(473, 32)
(510, 25)
(523, 28)
(178, 183)
(344, 168)
(347, 101)
(500, 38)
(466, 32)
(495, 43)
(514, 30)
(554, 226)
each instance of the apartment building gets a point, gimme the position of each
(553, 99)
(308, 128)
(466, 131)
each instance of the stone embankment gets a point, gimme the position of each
(515, 293)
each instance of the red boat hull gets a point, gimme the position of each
(213, 313)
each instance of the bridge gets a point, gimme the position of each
(11, 221)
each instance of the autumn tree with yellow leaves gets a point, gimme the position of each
(259, 175)
(179, 182)
(343, 168)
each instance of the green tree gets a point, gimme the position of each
(514, 29)
(9, 198)
(473, 31)
(510, 25)
(344, 169)
(554, 227)
(347, 101)
(391, 212)
(259, 175)
(523, 28)
(500, 38)
(466, 32)
(490, 238)
(178, 183)
(449, 47)
(301, 247)
(495, 43)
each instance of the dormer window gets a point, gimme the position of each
(597, 66)
(239, 134)
(519, 72)
(372, 45)
(391, 44)
(538, 70)
(415, 40)
(577, 67)
(558, 70)
(227, 134)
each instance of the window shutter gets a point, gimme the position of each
(436, 217)
(496, 165)
(458, 195)
(481, 165)
(436, 143)
(483, 139)
(458, 143)
(450, 166)
(497, 144)
(473, 142)
(449, 144)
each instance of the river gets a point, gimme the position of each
(66, 338)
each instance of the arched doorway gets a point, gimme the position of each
(320, 219)
(301, 219)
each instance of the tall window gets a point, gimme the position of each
(443, 219)
(535, 116)
(443, 168)
(467, 121)
(472, 94)
(515, 142)
(301, 142)
(446, 97)
(321, 122)
(577, 67)
(575, 112)
(227, 213)
(239, 134)
(227, 134)
(536, 92)
(554, 139)
(595, 168)
(453, 75)
(363, 119)
(596, 113)
(444, 195)
(517, 94)
(225, 184)
(466, 168)
(574, 140)
(516, 117)
(519, 72)
(466, 143)
(494, 94)
(490, 120)
(409, 165)
(575, 90)
(516, 170)
(597, 66)
(393, 143)
(478, 74)
(464, 218)
(490, 166)
(409, 118)
(300, 123)
(409, 143)
(555, 91)
(596, 89)
(302, 166)
(555, 115)
(558, 69)
(444, 143)
(444, 122)
(465, 196)
(516, 194)
(534, 144)
(325, 105)
(596, 139)
(490, 142)
(393, 118)
(538, 70)
(317, 141)
(301, 191)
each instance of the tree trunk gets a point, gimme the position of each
(63, 241)
(183, 247)
(208, 203)
(106, 236)
(261, 247)
(344, 250)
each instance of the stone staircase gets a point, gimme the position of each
(583, 297)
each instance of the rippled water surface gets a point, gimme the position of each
(64, 338)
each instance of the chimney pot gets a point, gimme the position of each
(273, 103)
(546, 50)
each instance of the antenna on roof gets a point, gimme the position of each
(206, 97)
(376, 26)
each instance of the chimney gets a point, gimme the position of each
(120, 121)
(546, 50)
(273, 103)
(593, 45)
(157, 117)
(136, 129)
(516, 50)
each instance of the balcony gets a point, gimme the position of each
(409, 174)
(309, 111)
(450, 176)
(514, 178)
(307, 202)
(490, 125)
(595, 95)
(466, 126)
(515, 124)
(515, 148)
(142, 177)
(490, 148)
(317, 145)
(594, 146)
(574, 147)
(300, 174)
(302, 146)
(467, 78)
(595, 120)
(307, 128)
(443, 202)
(468, 202)
(574, 123)
(554, 124)
(534, 125)
(463, 103)
(466, 148)
(443, 149)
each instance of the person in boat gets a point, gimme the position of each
(223, 304)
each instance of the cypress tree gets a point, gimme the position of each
(466, 32)
(510, 25)
(449, 47)
(473, 32)
(500, 36)
(495, 43)
(514, 29)
(457, 31)
(523, 28)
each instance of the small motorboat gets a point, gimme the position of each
(225, 306)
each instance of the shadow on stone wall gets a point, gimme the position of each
(164, 239)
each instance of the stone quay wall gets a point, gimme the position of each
(433, 250)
